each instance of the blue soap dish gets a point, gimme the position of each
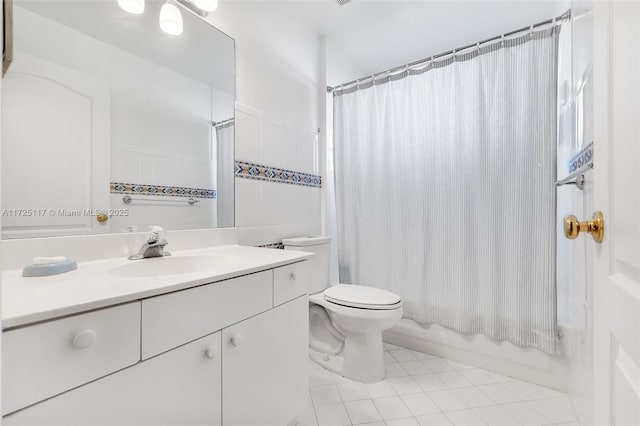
(49, 269)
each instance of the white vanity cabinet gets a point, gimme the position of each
(180, 387)
(221, 353)
(176, 318)
(265, 366)
(42, 360)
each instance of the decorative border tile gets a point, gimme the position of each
(278, 246)
(585, 156)
(159, 190)
(274, 174)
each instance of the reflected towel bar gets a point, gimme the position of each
(223, 123)
(128, 199)
(576, 178)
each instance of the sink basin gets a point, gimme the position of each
(170, 265)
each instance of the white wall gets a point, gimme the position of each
(276, 125)
(341, 68)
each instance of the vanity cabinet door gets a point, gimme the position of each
(265, 366)
(173, 319)
(290, 281)
(42, 360)
(181, 387)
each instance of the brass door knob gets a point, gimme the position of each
(595, 227)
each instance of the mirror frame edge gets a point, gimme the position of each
(7, 40)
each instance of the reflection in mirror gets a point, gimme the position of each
(104, 113)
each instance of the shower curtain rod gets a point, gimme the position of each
(565, 16)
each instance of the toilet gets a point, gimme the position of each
(345, 320)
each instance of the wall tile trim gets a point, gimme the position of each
(278, 246)
(274, 174)
(159, 190)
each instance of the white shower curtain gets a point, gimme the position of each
(225, 174)
(445, 189)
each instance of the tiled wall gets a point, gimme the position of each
(278, 86)
(277, 175)
(277, 179)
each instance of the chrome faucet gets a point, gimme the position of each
(153, 247)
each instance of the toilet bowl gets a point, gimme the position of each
(345, 321)
(360, 355)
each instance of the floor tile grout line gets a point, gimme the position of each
(315, 414)
(378, 411)
(452, 422)
(347, 411)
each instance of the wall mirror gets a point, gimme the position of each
(109, 124)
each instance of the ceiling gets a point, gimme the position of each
(368, 36)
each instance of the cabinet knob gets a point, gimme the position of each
(212, 352)
(292, 276)
(84, 339)
(237, 339)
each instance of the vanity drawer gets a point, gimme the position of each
(289, 282)
(173, 319)
(45, 359)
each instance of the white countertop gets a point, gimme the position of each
(94, 285)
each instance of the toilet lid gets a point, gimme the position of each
(360, 296)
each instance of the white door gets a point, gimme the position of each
(55, 150)
(616, 262)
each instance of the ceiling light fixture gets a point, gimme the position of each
(171, 19)
(199, 7)
(170, 15)
(135, 7)
(206, 5)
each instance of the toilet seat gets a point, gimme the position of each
(362, 297)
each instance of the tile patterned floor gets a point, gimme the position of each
(421, 389)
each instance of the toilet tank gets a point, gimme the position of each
(318, 264)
